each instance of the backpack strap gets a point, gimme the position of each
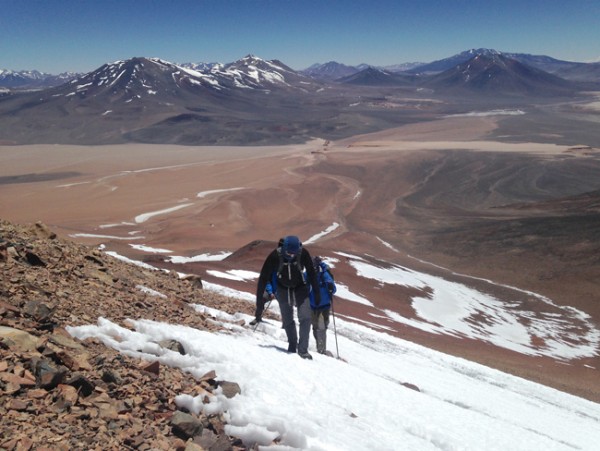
(280, 264)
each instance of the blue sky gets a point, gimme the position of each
(80, 35)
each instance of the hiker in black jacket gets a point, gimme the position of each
(284, 269)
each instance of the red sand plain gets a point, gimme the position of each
(194, 200)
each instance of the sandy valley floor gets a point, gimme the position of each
(441, 193)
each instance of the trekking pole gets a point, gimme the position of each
(334, 329)
(264, 311)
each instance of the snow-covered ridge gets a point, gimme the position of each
(150, 76)
(363, 403)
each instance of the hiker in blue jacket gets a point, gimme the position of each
(320, 311)
(284, 270)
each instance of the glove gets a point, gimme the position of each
(330, 287)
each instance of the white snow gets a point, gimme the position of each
(133, 262)
(344, 292)
(225, 291)
(151, 292)
(360, 404)
(455, 309)
(215, 191)
(446, 307)
(117, 78)
(153, 250)
(319, 235)
(489, 113)
(200, 258)
(144, 217)
(234, 274)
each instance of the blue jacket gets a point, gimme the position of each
(326, 287)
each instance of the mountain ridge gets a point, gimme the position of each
(330, 70)
(249, 101)
(497, 73)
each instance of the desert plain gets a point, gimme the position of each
(458, 197)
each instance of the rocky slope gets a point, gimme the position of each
(60, 393)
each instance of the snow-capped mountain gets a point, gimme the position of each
(151, 76)
(136, 78)
(201, 67)
(452, 61)
(498, 74)
(153, 100)
(249, 72)
(566, 69)
(254, 72)
(33, 78)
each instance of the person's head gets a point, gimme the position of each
(317, 262)
(291, 247)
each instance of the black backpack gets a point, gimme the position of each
(289, 272)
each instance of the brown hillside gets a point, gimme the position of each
(60, 393)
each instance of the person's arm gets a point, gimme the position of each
(329, 282)
(263, 280)
(306, 261)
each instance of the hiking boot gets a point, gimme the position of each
(292, 348)
(305, 355)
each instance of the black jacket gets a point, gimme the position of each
(270, 268)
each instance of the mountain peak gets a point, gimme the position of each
(331, 70)
(499, 74)
(482, 51)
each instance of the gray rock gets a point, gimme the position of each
(172, 345)
(230, 389)
(185, 425)
(18, 339)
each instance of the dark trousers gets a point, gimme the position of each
(320, 322)
(289, 325)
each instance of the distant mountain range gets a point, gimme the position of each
(332, 70)
(151, 100)
(258, 101)
(33, 79)
(566, 69)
